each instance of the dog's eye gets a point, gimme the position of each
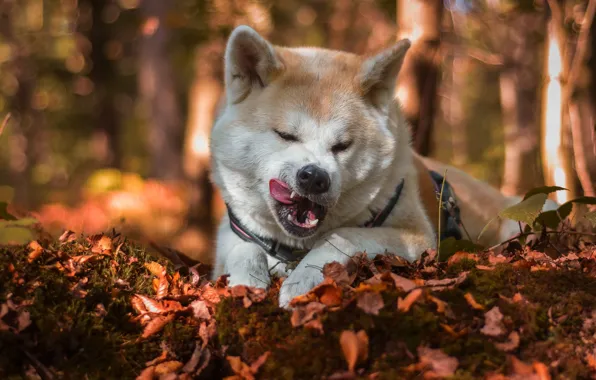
(340, 147)
(286, 136)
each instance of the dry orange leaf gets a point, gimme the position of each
(155, 268)
(35, 250)
(156, 325)
(147, 374)
(168, 367)
(102, 246)
(441, 305)
(472, 301)
(511, 344)
(354, 347)
(406, 303)
(240, 368)
(162, 287)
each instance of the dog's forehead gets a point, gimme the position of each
(319, 81)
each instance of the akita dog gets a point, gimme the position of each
(312, 156)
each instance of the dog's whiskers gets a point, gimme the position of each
(258, 279)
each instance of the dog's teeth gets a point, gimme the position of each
(313, 222)
(290, 217)
(292, 195)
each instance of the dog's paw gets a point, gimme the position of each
(299, 282)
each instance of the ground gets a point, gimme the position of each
(101, 307)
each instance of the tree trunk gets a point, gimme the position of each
(457, 122)
(520, 103)
(555, 156)
(26, 145)
(157, 91)
(204, 97)
(106, 121)
(420, 21)
(581, 116)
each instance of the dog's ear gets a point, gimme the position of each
(378, 73)
(250, 63)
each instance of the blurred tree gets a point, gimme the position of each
(97, 35)
(27, 145)
(158, 94)
(519, 81)
(420, 21)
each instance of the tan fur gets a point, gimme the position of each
(322, 98)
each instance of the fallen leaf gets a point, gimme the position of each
(458, 256)
(370, 302)
(337, 272)
(447, 283)
(102, 246)
(405, 304)
(200, 310)
(151, 305)
(67, 236)
(23, 320)
(328, 293)
(591, 359)
(472, 301)
(155, 268)
(439, 364)
(397, 281)
(354, 347)
(160, 359)
(156, 325)
(147, 374)
(162, 287)
(441, 305)
(303, 314)
(315, 324)
(511, 344)
(168, 367)
(35, 251)
(254, 367)
(493, 323)
(240, 368)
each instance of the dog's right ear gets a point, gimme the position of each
(250, 63)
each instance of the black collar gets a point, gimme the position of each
(287, 254)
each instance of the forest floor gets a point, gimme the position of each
(99, 307)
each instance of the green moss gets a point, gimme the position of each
(67, 333)
(299, 353)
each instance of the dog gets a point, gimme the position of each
(312, 156)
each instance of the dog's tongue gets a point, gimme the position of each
(280, 191)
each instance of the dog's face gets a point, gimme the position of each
(302, 127)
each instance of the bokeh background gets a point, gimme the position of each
(106, 105)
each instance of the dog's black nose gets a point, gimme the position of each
(313, 180)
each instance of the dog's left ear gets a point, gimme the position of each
(378, 73)
(250, 63)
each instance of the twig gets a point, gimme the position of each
(43, 372)
(258, 279)
(439, 221)
(516, 237)
(5, 122)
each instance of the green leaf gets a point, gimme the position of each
(543, 190)
(4, 212)
(566, 208)
(13, 233)
(527, 210)
(450, 246)
(548, 218)
(591, 216)
(24, 222)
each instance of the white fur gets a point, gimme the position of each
(246, 154)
